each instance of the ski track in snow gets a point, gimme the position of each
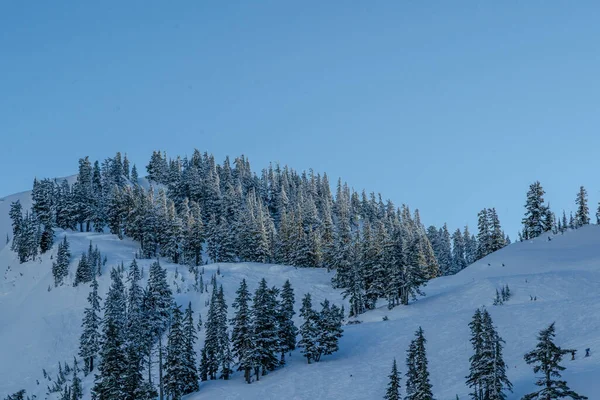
(39, 328)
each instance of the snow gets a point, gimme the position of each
(39, 327)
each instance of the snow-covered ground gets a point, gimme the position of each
(39, 327)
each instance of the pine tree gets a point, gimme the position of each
(393, 390)
(287, 331)
(84, 272)
(89, 342)
(211, 357)
(417, 382)
(309, 330)
(136, 340)
(546, 358)
(458, 252)
(242, 332)
(487, 375)
(174, 379)
(329, 329)
(484, 236)
(110, 381)
(190, 373)
(497, 240)
(582, 215)
(60, 267)
(536, 214)
(225, 355)
(76, 390)
(158, 307)
(265, 336)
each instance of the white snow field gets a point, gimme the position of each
(40, 327)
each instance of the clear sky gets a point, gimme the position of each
(448, 106)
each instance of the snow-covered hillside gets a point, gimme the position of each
(39, 327)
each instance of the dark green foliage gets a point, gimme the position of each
(242, 332)
(393, 390)
(287, 331)
(546, 358)
(265, 335)
(89, 342)
(487, 375)
(418, 386)
(60, 267)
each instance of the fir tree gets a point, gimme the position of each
(190, 372)
(309, 330)
(535, 222)
(417, 376)
(89, 342)
(76, 390)
(265, 336)
(582, 215)
(60, 267)
(329, 327)
(136, 340)
(242, 332)
(212, 354)
(487, 375)
(158, 307)
(287, 331)
(84, 272)
(174, 379)
(546, 358)
(110, 381)
(393, 390)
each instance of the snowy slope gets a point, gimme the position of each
(38, 327)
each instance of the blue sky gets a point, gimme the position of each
(446, 106)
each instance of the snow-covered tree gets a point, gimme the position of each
(393, 389)
(242, 332)
(535, 221)
(582, 216)
(546, 358)
(89, 342)
(418, 386)
(287, 331)
(309, 330)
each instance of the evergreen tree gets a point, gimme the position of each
(158, 306)
(265, 333)
(582, 215)
(110, 381)
(190, 372)
(136, 340)
(309, 330)
(76, 390)
(175, 371)
(287, 331)
(418, 386)
(484, 241)
(535, 222)
(242, 332)
(546, 358)
(487, 375)
(89, 342)
(84, 271)
(60, 267)
(225, 355)
(329, 329)
(458, 252)
(393, 390)
(212, 354)
(497, 240)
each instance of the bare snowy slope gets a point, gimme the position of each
(39, 327)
